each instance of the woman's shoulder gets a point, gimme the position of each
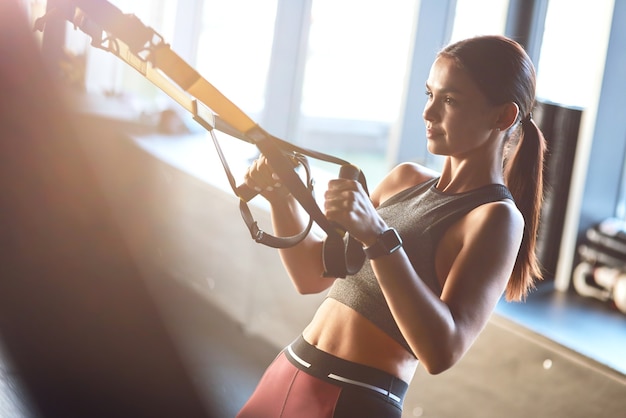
(401, 177)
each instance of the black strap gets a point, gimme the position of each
(263, 237)
(342, 256)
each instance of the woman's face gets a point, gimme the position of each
(459, 120)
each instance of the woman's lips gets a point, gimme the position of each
(432, 133)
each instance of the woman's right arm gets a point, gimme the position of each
(302, 262)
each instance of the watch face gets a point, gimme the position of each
(387, 243)
(391, 240)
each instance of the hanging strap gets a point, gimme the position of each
(142, 48)
(245, 193)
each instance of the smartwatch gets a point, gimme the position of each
(387, 242)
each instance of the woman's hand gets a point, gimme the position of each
(347, 204)
(261, 178)
(303, 262)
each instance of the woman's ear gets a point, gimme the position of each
(508, 116)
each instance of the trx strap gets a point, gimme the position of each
(126, 37)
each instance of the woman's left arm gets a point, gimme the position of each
(441, 329)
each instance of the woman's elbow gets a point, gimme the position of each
(312, 287)
(435, 368)
(441, 361)
(305, 290)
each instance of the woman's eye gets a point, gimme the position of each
(428, 94)
(449, 100)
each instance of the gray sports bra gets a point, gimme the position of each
(421, 215)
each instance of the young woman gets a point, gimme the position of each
(442, 248)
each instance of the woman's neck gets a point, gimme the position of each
(460, 176)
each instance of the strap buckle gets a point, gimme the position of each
(257, 233)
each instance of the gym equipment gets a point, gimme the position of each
(141, 47)
(601, 274)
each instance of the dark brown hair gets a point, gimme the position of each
(504, 73)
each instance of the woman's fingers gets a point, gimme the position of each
(347, 204)
(258, 176)
(341, 200)
(262, 178)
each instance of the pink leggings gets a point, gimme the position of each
(304, 382)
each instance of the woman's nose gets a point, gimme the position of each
(429, 112)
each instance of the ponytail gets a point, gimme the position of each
(524, 178)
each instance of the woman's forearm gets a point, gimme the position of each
(303, 262)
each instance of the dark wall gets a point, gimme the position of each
(560, 126)
(76, 320)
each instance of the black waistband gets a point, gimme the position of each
(342, 372)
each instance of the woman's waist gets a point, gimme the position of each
(341, 331)
(338, 371)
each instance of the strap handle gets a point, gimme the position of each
(342, 255)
